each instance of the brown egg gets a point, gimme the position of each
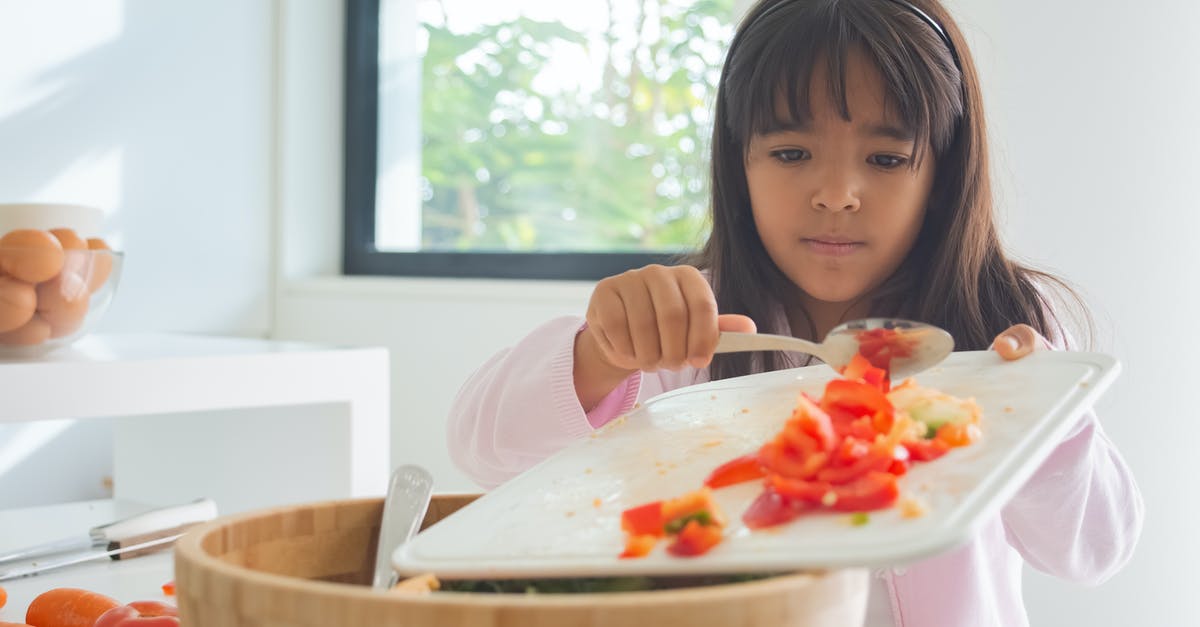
(18, 301)
(101, 266)
(76, 262)
(69, 239)
(31, 255)
(62, 292)
(32, 333)
(66, 316)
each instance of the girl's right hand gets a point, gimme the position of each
(656, 317)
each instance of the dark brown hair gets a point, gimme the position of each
(957, 274)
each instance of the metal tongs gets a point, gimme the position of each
(129, 537)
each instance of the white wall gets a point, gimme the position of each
(159, 113)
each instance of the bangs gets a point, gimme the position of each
(774, 58)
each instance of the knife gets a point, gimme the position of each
(132, 546)
(120, 531)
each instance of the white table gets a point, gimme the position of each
(246, 422)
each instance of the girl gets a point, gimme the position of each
(850, 180)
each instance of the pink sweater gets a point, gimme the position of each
(1077, 518)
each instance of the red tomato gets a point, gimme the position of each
(804, 492)
(695, 539)
(140, 614)
(851, 450)
(814, 422)
(741, 469)
(770, 509)
(778, 459)
(639, 545)
(877, 459)
(643, 520)
(859, 399)
(860, 369)
(925, 450)
(875, 490)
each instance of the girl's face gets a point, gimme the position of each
(837, 203)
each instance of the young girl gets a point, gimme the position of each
(850, 180)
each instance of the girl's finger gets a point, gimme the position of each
(609, 326)
(1016, 342)
(672, 314)
(642, 323)
(702, 319)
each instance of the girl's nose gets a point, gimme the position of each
(835, 193)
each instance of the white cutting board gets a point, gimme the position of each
(561, 518)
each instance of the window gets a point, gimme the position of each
(528, 138)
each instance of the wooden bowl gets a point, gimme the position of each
(311, 566)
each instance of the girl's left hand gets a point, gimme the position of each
(1018, 341)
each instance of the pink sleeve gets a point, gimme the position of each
(520, 406)
(1080, 514)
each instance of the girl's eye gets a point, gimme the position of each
(790, 155)
(887, 161)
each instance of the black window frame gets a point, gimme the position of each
(359, 255)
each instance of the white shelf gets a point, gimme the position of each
(247, 422)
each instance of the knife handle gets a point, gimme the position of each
(131, 541)
(155, 520)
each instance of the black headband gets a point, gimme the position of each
(911, 8)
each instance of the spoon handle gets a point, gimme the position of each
(731, 342)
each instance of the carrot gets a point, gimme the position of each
(68, 607)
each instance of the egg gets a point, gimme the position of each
(101, 263)
(76, 259)
(67, 319)
(31, 333)
(31, 255)
(18, 301)
(62, 292)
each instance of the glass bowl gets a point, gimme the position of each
(39, 312)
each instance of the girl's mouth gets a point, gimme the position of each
(832, 247)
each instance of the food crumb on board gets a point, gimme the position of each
(597, 502)
(662, 471)
(911, 507)
(587, 471)
(711, 443)
(713, 397)
(1084, 384)
(1008, 410)
(420, 584)
(570, 514)
(745, 410)
(858, 519)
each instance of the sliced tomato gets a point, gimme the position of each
(644, 519)
(741, 469)
(874, 490)
(851, 450)
(859, 399)
(805, 492)
(639, 545)
(777, 458)
(860, 369)
(925, 450)
(957, 434)
(772, 508)
(814, 422)
(877, 459)
(695, 539)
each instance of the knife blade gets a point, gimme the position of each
(200, 510)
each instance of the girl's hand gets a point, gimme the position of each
(1018, 341)
(656, 317)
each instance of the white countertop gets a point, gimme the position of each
(136, 579)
